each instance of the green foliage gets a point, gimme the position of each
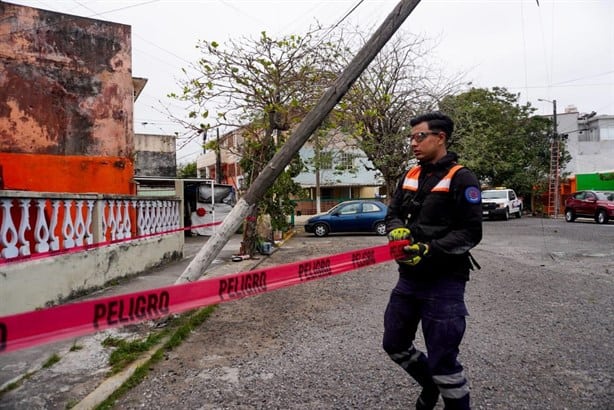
(276, 201)
(177, 331)
(499, 139)
(127, 352)
(51, 361)
(399, 84)
(188, 170)
(264, 87)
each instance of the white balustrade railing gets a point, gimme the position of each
(38, 223)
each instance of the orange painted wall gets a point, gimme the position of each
(76, 174)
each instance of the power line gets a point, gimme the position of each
(584, 78)
(344, 17)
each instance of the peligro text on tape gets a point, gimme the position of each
(3, 336)
(138, 307)
(239, 286)
(314, 269)
(29, 329)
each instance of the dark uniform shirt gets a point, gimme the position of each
(449, 221)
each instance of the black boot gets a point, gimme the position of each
(427, 399)
(457, 404)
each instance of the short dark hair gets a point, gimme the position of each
(437, 121)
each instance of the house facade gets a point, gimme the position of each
(155, 155)
(341, 171)
(222, 164)
(69, 217)
(66, 97)
(589, 139)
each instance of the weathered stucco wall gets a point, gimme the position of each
(66, 102)
(155, 155)
(43, 282)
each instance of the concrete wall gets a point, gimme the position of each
(155, 155)
(66, 102)
(362, 174)
(44, 282)
(586, 156)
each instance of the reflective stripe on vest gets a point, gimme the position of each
(411, 179)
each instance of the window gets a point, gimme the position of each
(369, 207)
(230, 141)
(607, 134)
(350, 209)
(326, 160)
(589, 135)
(346, 161)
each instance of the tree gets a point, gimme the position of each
(187, 170)
(400, 83)
(263, 87)
(501, 140)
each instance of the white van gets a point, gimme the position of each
(205, 202)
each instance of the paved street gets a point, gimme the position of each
(539, 335)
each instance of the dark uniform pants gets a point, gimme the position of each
(441, 307)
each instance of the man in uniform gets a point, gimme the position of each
(437, 207)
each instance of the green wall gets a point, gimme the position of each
(601, 181)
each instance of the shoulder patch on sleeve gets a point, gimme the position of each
(473, 195)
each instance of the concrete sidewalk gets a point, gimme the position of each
(83, 362)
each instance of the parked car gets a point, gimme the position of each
(350, 216)
(590, 204)
(501, 202)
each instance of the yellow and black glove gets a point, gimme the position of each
(399, 234)
(414, 253)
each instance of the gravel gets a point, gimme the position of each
(539, 336)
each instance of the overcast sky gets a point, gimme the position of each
(561, 50)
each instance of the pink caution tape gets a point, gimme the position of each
(33, 328)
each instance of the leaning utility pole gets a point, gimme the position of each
(310, 123)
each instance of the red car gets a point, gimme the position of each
(590, 204)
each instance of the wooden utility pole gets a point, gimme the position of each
(310, 123)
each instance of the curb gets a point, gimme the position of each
(113, 383)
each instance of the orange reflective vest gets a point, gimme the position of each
(411, 179)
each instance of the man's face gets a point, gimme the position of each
(427, 145)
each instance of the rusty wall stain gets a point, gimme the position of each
(65, 84)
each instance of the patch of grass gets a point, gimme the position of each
(179, 330)
(191, 322)
(111, 341)
(137, 377)
(75, 347)
(51, 361)
(127, 352)
(71, 403)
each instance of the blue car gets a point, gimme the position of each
(350, 216)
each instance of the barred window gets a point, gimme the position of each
(346, 161)
(326, 160)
